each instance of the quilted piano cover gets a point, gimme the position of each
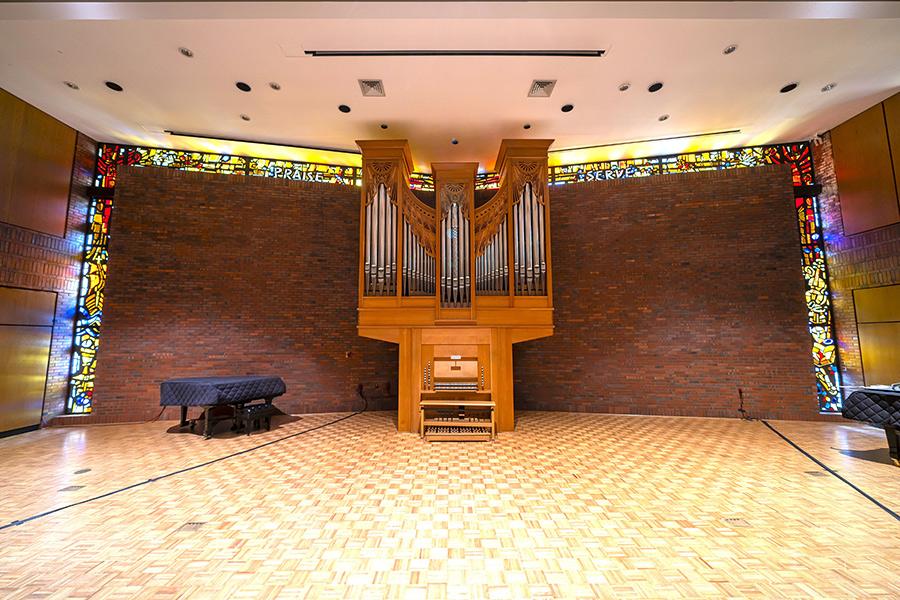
(879, 407)
(207, 391)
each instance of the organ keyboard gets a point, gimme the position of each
(454, 404)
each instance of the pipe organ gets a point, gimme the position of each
(453, 284)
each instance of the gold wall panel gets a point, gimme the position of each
(36, 156)
(26, 326)
(24, 353)
(877, 304)
(892, 118)
(880, 347)
(26, 307)
(862, 164)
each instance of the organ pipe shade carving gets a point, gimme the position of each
(491, 246)
(418, 247)
(455, 247)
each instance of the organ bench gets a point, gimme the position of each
(455, 285)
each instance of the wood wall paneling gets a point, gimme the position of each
(36, 155)
(878, 319)
(880, 347)
(892, 119)
(26, 307)
(877, 304)
(26, 327)
(865, 176)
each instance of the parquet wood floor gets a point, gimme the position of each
(567, 506)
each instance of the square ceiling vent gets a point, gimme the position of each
(541, 88)
(371, 87)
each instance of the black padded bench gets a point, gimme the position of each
(881, 407)
(232, 392)
(254, 415)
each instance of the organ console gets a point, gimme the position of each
(455, 284)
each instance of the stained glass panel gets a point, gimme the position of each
(111, 157)
(89, 308)
(799, 157)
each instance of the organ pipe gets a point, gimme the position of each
(380, 263)
(418, 246)
(456, 279)
(530, 263)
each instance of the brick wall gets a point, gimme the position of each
(38, 261)
(671, 293)
(863, 260)
(221, 274)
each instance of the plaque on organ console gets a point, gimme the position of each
(453, 285)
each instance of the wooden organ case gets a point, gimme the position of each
(455, 285)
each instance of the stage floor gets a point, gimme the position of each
(568, 505)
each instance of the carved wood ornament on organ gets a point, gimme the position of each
(454, 285)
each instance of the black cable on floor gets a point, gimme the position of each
(832, 471)
(18, 522)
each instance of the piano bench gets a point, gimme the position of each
(254, 414)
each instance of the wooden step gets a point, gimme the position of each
(458, 437)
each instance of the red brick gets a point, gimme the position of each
(671, 293)
(220, 275)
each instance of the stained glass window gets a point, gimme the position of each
(425, 181)
(798, 156)
(89, 308)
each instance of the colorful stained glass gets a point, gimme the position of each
(421, 181)
(487, 181)
(89, 309)
(798, 156)
(425, 181)
(297, 171)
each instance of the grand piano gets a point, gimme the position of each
(455, 284)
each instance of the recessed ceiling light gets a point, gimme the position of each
(114, 86)
(344, 108)
(245, 117)
(384, 126)
(244, 87)
(567, 108)
(624, 87)
(729, 49)
(789, 87)
(526, 126)
(827, 88)
(655, 87)
(275, 85)
(663, 117)
(186, 52)
(71, 85)
(454, 141)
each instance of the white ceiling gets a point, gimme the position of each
(431, 100)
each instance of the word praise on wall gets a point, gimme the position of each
(110, 157)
